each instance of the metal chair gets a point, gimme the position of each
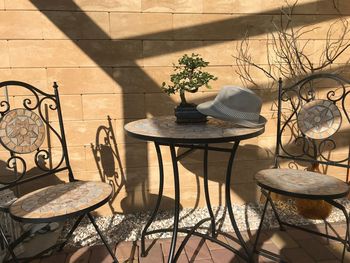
(311, 123)
(30, 139)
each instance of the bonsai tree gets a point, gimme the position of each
(188, 76)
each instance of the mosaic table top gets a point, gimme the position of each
(302, 183)
(319, 119)
(60, 200)
(21, 131)
(166, 129)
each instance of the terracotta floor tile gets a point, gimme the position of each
(302, 236)
(308, 248)
(224, 256)
(166, 246)
(56, 258)
(339, 229)
(262, 259)
(155, 253)
(321, 228)
(182, 258)
(126, 251)
(337, 249)
(297, 234)
(329, 261)
(271, 247)
(297, 255)
(101, 254)
(234, 243)
(263, 238)
(283, 240)
(212, 245)
(316, 250)
(197, 249)
(81, 255)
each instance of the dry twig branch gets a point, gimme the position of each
(290, 54)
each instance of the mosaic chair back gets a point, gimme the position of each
(35, 148)
(313, 125)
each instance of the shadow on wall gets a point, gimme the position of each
(106, 155)
(242, 173)
(111, 171)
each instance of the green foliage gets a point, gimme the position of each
(188, 76)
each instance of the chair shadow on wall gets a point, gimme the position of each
(106, 155)
(110, 168)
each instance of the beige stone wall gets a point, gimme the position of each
(109, 58)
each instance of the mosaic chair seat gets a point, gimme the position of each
(301, 184)
(312, 139)
(30, 139)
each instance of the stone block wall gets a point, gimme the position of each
(110, 57)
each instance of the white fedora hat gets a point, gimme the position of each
(236, 104)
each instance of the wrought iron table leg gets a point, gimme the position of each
(228, 200)
(92, 220)
(160, 195)
(206, 191)
(177, 203)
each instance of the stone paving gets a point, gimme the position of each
(291, 245)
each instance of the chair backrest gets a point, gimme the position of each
(313, 122)
(33, 142)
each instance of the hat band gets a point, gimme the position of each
(251, 116)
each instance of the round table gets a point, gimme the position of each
(164, 131)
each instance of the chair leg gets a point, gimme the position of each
(260, 225)
(70, 233)
(92, 220)
(347, 237)
(268, 197)
(8, 246)
(344, 250)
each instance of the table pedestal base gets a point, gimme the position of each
(246, 254)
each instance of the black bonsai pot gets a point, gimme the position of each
(188, 113)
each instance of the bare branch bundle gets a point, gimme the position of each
(290, 54)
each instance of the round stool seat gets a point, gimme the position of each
(57, 202)
(303, 184)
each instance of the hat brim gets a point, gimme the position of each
(208, 109)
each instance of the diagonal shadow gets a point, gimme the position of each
(233, 24)
(91, 49)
